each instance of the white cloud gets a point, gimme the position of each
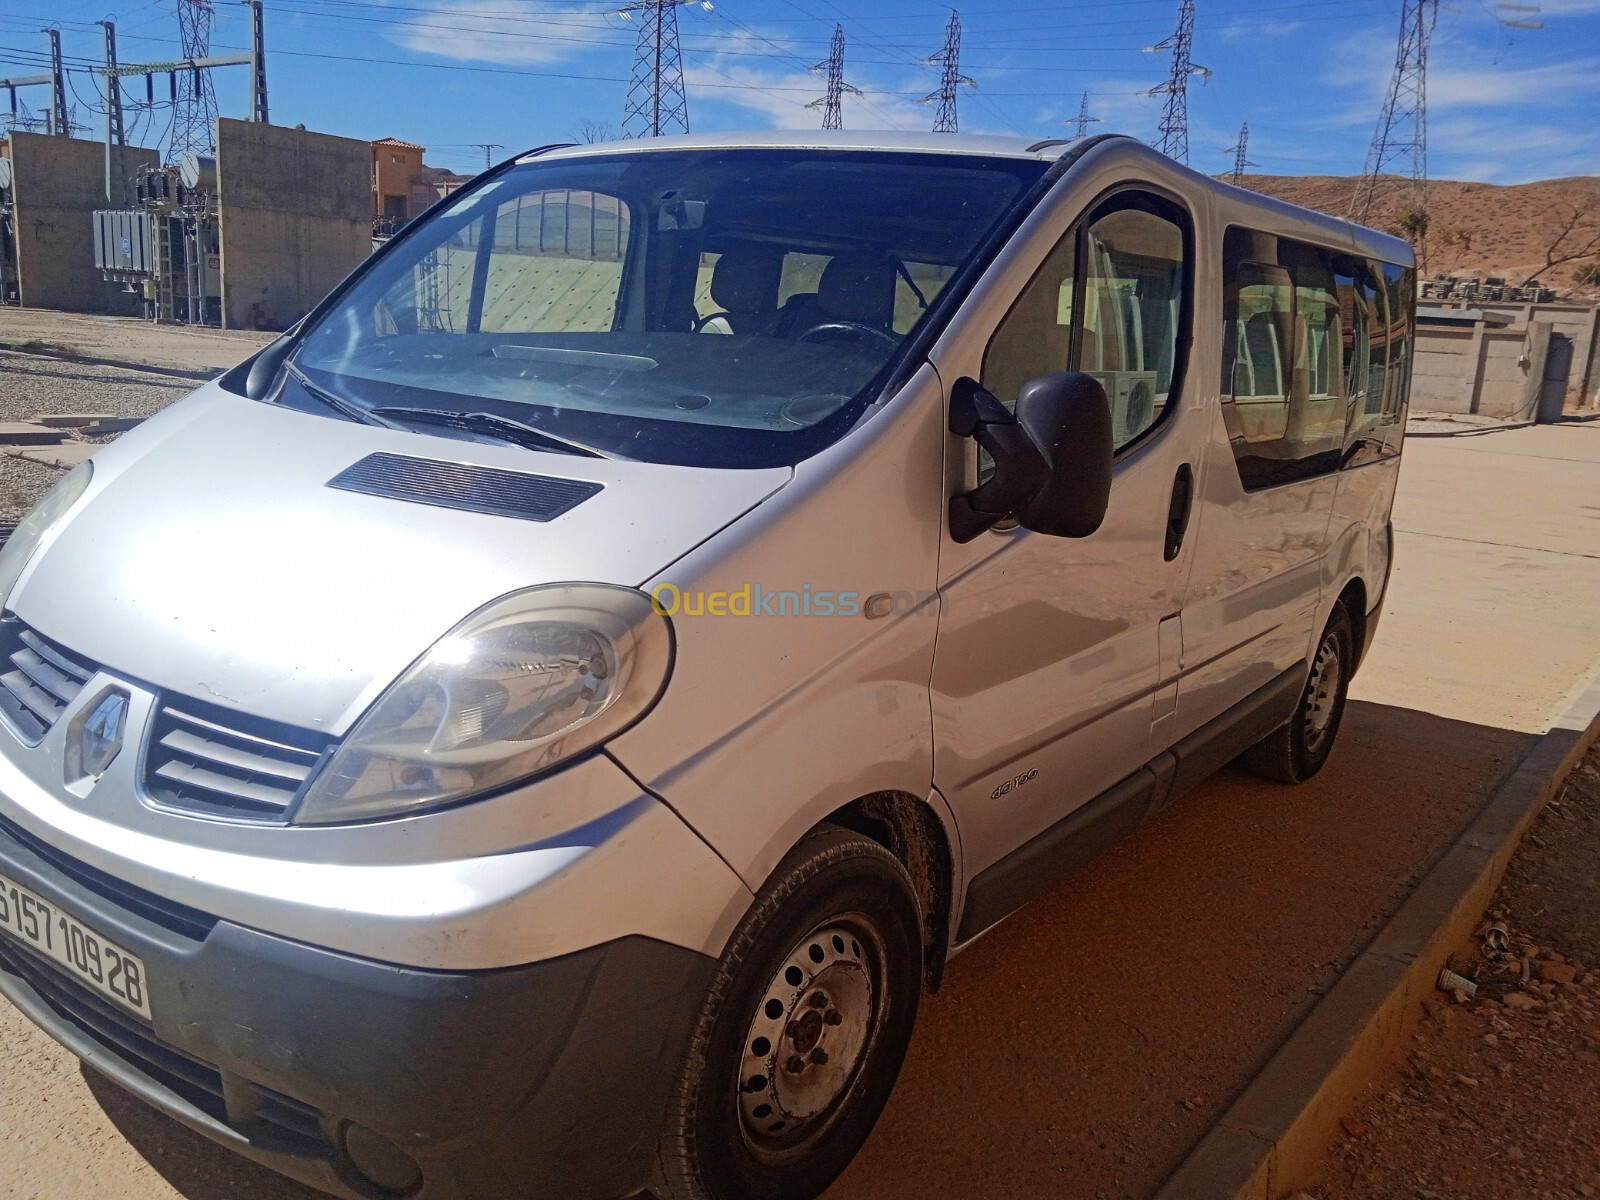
(480, 31)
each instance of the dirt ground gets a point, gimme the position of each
(128, 339)
(1497, 1099)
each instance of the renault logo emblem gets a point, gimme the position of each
(101, 738)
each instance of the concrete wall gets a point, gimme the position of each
(1477, 368)
(296, 212)
(58, 183)
(1579, 322)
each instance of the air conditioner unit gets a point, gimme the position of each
(1133, 402)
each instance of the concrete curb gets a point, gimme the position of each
(1271, 1140)
(127, 365)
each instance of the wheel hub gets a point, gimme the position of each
(808, 1036)
(1322, 692)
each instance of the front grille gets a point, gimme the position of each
(210, 761)
(44, 678)
(196, 1083)
(169, 914)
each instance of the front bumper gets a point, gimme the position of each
(542, 1080)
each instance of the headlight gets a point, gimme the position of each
(30, 531)
(531, 680)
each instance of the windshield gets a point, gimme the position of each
(734, 308)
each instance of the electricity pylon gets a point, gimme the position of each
(1401, 138)
(832, 105)
(1240, 162)
(656, 101)
(1174, 124)
(194, 116)
(951, 80)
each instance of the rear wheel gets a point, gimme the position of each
(1296, 751)
(803, 1034)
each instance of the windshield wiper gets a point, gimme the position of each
(507, 429)
(355, 412)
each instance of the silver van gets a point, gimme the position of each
(537, 728)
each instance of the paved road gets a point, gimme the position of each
(1084, 1046)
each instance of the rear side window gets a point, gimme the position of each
(1312, 340)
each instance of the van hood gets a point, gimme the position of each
(210, 557)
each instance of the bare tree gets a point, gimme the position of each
(591, 131)
(1570, 242)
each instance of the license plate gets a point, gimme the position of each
(100, 964)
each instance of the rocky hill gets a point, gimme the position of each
(1478, 228)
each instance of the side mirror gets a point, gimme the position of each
(1052, 459)
(1069, 418)
(264, 367)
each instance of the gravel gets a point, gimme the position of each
(34, 385)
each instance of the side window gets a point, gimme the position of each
(1365, 359)
(555, 265)
(1259, 318)
(802, 275)
(1400, 292)
(1283, 373)
(1036, 336)
(1119, 318)
(913, 295)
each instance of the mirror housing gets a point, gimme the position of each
(1052, 458)
(1068, 417)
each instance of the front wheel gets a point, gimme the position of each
(802, 1036)
(1296, 751)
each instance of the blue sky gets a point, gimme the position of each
(1505, 104)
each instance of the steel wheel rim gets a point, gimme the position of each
(814, 1026)
(1322, 694)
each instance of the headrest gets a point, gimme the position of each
(746, 280)
(858, 287)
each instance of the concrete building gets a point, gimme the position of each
(296, 218)
(400, 187)
(57, 183)
(1514, 360)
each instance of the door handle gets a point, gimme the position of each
(1178, 512)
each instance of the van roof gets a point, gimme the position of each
(878, 139)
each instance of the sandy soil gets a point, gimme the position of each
(1509, 227)
(128, 339)
(1497, 1098)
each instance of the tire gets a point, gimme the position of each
(1297, 750)
(838, 920)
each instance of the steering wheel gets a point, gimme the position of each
(850, 329)
(702, 322)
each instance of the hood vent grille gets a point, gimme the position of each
(220, 764)
(464, 487)
(42, 680)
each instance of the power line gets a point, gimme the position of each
(1174, 124)
(488, 149)
(1401, 138)
(951, 80)
(832, 104)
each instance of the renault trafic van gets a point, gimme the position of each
(537, 728)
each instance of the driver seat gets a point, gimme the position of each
(858, 288)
